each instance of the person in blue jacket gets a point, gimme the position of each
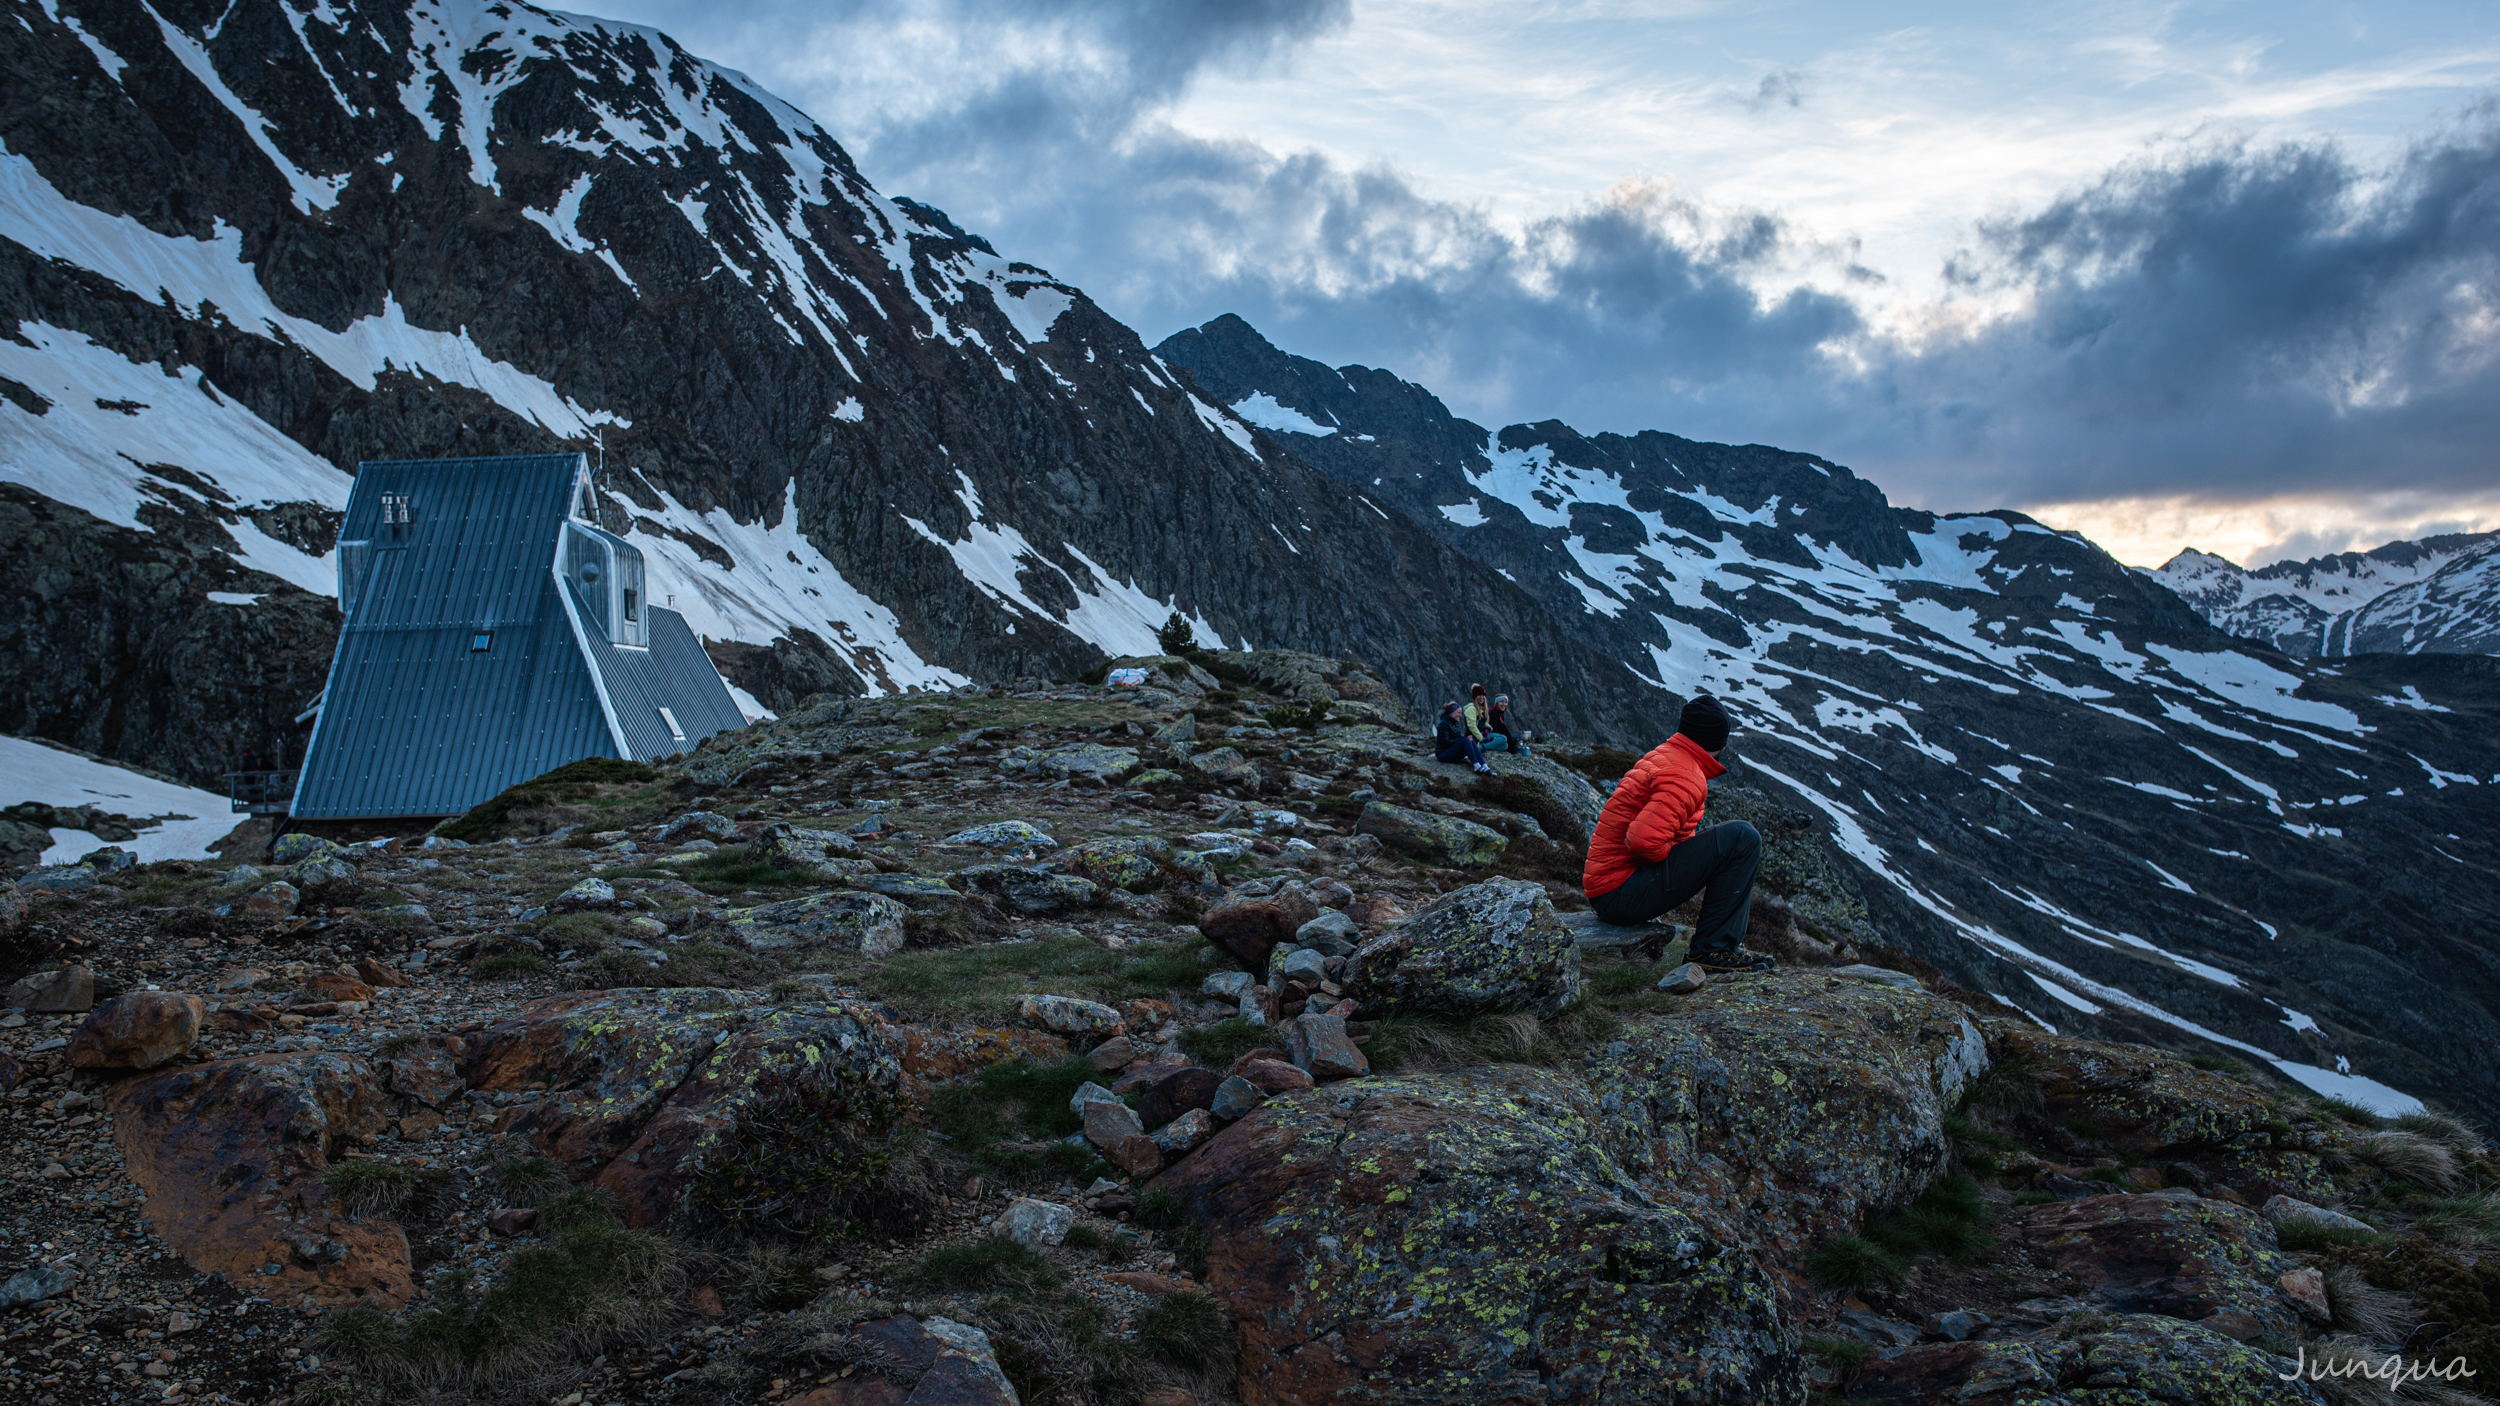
(1451, 743)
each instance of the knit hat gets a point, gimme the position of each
(1704, 721)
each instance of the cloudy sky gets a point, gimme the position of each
(2221, 274)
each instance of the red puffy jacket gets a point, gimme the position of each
(1656, 807)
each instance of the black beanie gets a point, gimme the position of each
(1705, 722)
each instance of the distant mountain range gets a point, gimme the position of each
(2440, 595)
(244, 248)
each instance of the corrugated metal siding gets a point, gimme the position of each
(414, 722)
(674, 673)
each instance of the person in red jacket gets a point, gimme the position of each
(1650, 853)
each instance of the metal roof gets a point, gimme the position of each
(419, 721)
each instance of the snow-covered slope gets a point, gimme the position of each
(2075, 792)
(248, 246)
(2309, 607)
(177, 821)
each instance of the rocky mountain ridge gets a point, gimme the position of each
(1166, 1046)
(246, 248)
(2431, 596)
(2062, 784)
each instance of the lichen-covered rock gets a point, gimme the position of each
(323, 878)
(589, 893)
(1332, 933)
(1569, 791)
(938, 1054)
(2090, 1360)
(1155, 777)
(2171, 1253)
(1322, 1049)
(1030, 888)
(827, 854)
(274, 900)
(609, 1059)
(59, 878)
(1438, 839)
(1004, 834)
(907, 1362)
(704, 824)
(1225, 766)
(1414, 1239)
(818, 1044)
(296, 847)
(1070, 1015)
(1810, 1101)
(231, 1155)
(427, 1070)
(2161, 1108)
(1128, 862)
(140, 1030)
(1489, 947)
(1035, 1223)
(868, 923)
(1090, 761)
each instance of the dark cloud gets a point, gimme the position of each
(2217, 317)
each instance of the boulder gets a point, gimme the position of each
(2281, 1211)
(323, 879)
(1153, 777)
(868, 923)
(1307, 965)
(1234, 1098)
(1030, 888)
(1185, 1134)
(608, 1059)
(1489, 947)
(273, 901)
(30, 1286)
(1069, 1015)
(1332, 933)
(2121, 1358)
(820, 1044)
(1226, 986)
(698, 824)
(921, 891)
(296, 847)
(2173, 1254)
(1126, 862)
(1034, 1223)
(1885, 975)
(377, 973)
(59, 878)
(1114, 1055)
(589, 893)
(1567, 790)
(1810, 1102)
(1225, 766)
(1136, 1154)
(905, 1361)
(231, 1156)
(1435, 839)
(1466, 1237)
(1090, 761)
(1176, 1093)
(827, 854)
(138, 1031)
(1250, 928)
(1274, 1076)
(1004, 834)
(1107, 1121)
(1089, 1092)
(1594, 934)
(66, 991)
(1322, 1049)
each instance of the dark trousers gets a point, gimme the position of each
(1718, 863)
(1465, 749)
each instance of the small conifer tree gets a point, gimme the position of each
(1177, 634)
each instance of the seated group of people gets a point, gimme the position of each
(1482, 725)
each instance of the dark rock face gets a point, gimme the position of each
(2059, 784)
(115, 648)
(864, 387)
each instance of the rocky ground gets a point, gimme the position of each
(1191, 1042)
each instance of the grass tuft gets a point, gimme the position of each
(2412, 1159)
(996, 1265)
(1190, 1333)
(382, 1189)
(1220, 1044)
(1853, 1262)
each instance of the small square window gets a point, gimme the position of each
(481, 642)
(633, 606)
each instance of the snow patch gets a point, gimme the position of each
(1266, 412)
(30, 771)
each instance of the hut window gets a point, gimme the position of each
(481, 642)
(633, 607)
(676, 733)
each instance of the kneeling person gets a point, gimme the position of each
(1650, 854)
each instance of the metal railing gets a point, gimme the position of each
(261, 792)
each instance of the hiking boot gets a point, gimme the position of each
(1733, 959)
